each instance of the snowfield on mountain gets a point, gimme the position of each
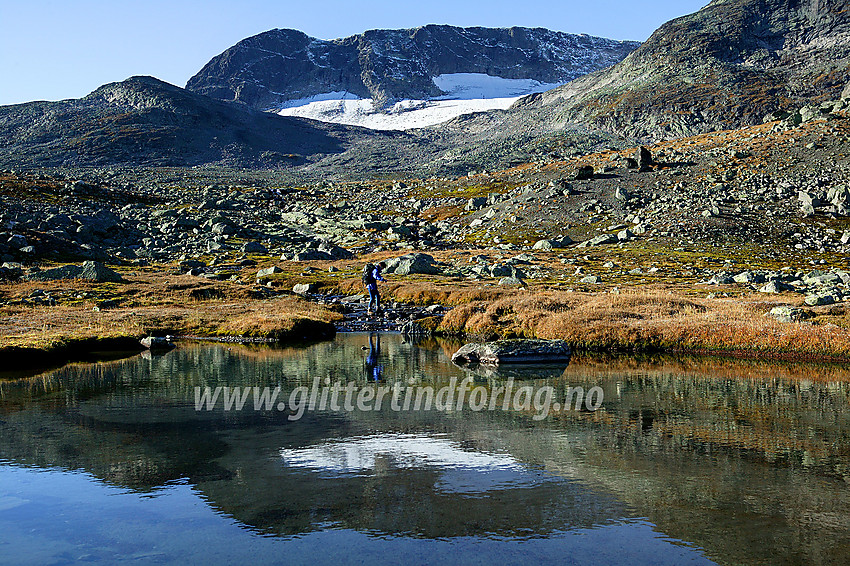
(464, 93)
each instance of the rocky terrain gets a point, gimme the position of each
(517, 223)
(754, 218)
(144, 122)
(725, 66)
(281, 65)
(760, 208)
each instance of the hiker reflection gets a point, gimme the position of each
(373, 368)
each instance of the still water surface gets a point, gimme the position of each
(687, 462)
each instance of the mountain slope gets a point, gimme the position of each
(724, 66)
(145, 121)
(267, 70)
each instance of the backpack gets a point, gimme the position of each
(368, 275)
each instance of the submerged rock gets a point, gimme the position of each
(513, 351)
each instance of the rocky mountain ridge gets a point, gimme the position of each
(280, 65)
(725, 66)
(733, 63)
(145, 121)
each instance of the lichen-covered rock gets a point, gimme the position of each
(54, 274)
(254, 248)
(513, 351)
(511, 281)
(96, 271)
(787, 313)
(822, 298)
(303, 288)
(410, 264)
(269, 271)
(90, 271)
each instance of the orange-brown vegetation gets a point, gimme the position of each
(155, 303)
(648, 319)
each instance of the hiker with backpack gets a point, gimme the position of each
(371, 276)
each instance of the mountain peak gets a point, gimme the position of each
(271, 68)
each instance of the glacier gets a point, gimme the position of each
(463, 93)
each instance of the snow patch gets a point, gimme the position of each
(404, 115)
(466, 86)
(337, 95)
(464, 93)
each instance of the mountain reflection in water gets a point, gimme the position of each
(747, 462)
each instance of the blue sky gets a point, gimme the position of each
(51, 50)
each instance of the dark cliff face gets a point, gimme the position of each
(725, 66)
(279, 65)
(146, 121)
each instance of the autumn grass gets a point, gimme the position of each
(287, 318)
(152, 303)
(650, 317)
(649, 320)
(640, 318)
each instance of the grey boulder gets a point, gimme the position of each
(156, 343)
(254, 248)
(412, 264)
(303, 288)
(785, 313)
(511, 281)
(269, 271)
(99, 273)
(512, 351)
(90, 271)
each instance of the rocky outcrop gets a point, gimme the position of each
(95, 271)
(512, 351)
(89, 271)
(725, 66)
(268, 69)
(412, 264)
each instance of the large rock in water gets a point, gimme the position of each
(412, 264)
(513, 351)
(156, 343)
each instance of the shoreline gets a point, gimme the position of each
(655, 318)
(31, 359)
(24, 358)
